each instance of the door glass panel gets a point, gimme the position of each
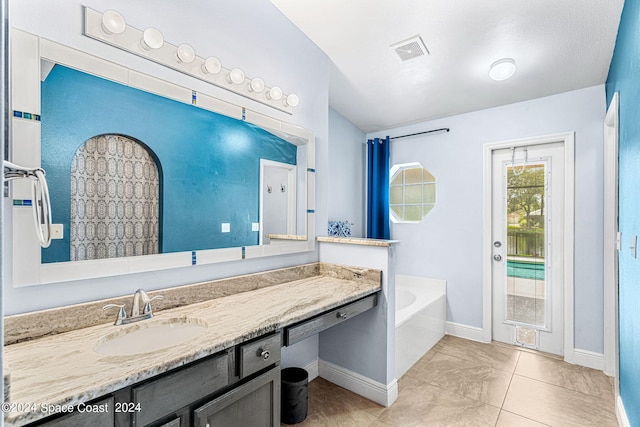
(526, 286)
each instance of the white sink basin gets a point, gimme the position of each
(145, 337)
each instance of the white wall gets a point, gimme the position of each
(348, 172)
(447, 244)
(252, 35)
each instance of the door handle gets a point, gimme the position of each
(497, 257)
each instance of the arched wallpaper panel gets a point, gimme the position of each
(115, 199)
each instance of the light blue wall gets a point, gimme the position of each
(347, 157)
(205, 159)
(624, 77)
(253, 35)
(447, 244)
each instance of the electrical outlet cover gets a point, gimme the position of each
(57, 231)
(226, 227)
(255, 226)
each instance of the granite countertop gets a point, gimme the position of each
(357, 241)
(63, 369)
(286, 237)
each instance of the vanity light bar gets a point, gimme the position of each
(110, 28)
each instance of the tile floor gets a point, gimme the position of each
(465, 383)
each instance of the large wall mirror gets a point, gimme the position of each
(145, 174)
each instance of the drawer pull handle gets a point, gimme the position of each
(341, 315)
(265, 354)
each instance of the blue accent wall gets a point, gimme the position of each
(624, 77)
(210, 163)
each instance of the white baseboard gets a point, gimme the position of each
(380, 393)
(312, 369)
(623, 421)
(464, 331)
(589, 359)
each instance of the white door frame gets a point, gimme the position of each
(568, 139)
(611, 241)
(291, 199)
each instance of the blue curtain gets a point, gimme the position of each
(378, 188)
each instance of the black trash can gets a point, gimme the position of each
(294, 394)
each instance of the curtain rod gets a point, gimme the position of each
(421, 133)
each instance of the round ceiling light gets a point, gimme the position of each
(502, 69)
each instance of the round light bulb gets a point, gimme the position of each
(502, 69)
(256, 85)
(152, 39)
(113, 23)
(236, 76)
(274, 93)
(211, 66)
(185, 53)
(292, 100)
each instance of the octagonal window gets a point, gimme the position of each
(412, 192)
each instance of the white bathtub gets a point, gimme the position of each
(420, 318)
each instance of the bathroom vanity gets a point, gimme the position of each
(212, 391)
(229, 374)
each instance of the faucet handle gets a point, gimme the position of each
(121, 313)
(147, 305)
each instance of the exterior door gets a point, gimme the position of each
(527, 255)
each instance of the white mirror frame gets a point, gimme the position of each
(27, 50)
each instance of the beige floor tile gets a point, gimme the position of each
(507, 419)
(408, 381)
(421, 404)
(416, 369)
(557, 406)
(466, 378)
(560, 373)
(337, 419)
(331, 405)
(503, 358)
(451, 383)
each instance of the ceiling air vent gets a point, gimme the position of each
(410, 48)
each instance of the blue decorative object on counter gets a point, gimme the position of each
(339, 229)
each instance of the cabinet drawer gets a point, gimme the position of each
(310, 327)
(161, 397)
(257, 355)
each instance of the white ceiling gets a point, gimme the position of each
(558, 45)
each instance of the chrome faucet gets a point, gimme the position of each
(140, 298)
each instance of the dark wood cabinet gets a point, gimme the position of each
(169, 393)
(255, 403)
